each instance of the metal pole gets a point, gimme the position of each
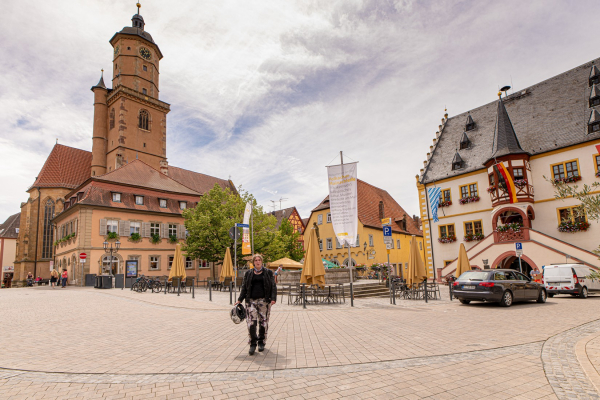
(252, 227)
(451, 285)
(235, 231)
(178, 286)
(230, 293)
(394, 287)
(425, 283)
(520, 268)
(193, 293)
(351, 295)
(166, 281)
(303, 296)
(209, 290)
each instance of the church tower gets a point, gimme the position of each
(129, 120)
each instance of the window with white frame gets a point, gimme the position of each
(154, 228)
(182, 205)
(116, 197)
(371, 240)
(320, 219)
(162, 203)
(189, 263)
(134, 227)
(112, 225)
(329, 244)
(154, 263)
(172, 230)
(328, 218)
(139, 200)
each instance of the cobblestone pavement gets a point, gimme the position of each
(85, 343)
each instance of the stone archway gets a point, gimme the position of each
(508, 215)
(510, 260)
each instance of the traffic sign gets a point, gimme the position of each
(387, 231)
(519, 246)
(519, 253)
(82, 256)
(386, 221)
(388, 246)
(234, 233)
(242, 225)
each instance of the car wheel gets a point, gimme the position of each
(550, 294)
(584, 293)
(541, 296)
(507, 299)
(465, 301)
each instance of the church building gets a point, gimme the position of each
(123, 189)
(536, 135)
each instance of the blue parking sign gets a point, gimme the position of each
(387, 231)
(519, 246)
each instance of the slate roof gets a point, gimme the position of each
(546, 116)
(65, 167)
(201, 183)
(505, 139)
(369, 197)
(285, 213)
(8, 229)
(100, 83)
(138, 173)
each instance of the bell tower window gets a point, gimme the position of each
(144, 117)
(112, 119)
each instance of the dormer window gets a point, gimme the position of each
(116, 197)
(79, 196)
(465, 143)
(162, 203)
(470, 124)
(594, 96)
(594, 76)
(182, 205)
(594, 122)
(457, 162)
(139, 200)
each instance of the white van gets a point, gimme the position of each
(570, 279)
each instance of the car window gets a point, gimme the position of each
(510, 276)
(520, 276)
(474, 276)
(499, 276)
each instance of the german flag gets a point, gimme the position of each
(506, 182)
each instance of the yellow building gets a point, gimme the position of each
(374, 204)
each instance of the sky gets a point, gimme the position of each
(268, 92)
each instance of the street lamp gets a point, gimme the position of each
(112, 250)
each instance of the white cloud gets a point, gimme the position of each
(269, 92)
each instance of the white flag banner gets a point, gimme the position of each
(343, 202)
(246, 248)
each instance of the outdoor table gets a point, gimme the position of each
(329, 298)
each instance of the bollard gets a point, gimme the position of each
(394, 291)
(391, 289)
(179, 287)
(450, 288)
(230, 292)
(166, 281)
(193, 293)
(209, 290)
(351, 295)
(303, 296)
(425, 283)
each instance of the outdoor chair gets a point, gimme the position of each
(295, 294)
(225, 284)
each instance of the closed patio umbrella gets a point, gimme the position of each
(313, 272)
(416, 268)
(462, 264)
(227, 268)
(177, 268)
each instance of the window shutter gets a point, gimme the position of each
(145, 229)
(124, 228)
(75, 226)
(102, 227)
(180, 231)
(164, 231)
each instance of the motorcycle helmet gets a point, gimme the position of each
(238, 313)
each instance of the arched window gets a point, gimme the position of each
(144, 117)
(112, 119)
(47, 232)
(108, 266)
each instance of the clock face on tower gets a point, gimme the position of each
(116, 50)
(145, 53)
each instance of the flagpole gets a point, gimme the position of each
(430, 235)
(349, 247)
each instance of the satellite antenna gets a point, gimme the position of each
(505, 89)
(273, 204)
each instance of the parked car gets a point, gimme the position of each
(504, 286)
(573, 279)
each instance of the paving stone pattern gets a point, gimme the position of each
(85, 343)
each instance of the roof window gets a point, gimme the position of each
(457, 162)
(594, 75)
(470, 125)
(182, 205)
(465, 143)
(594, 122)
(139, 200)
(162, 203)
(116, 197)
(594, 96)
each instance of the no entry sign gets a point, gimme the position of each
(82, 256)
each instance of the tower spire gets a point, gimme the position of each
(138, 5)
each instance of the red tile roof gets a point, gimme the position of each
(369, 197)
(201, 183)
(138, 173)
(65, 167)
(9, 228)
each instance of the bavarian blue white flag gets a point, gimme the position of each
(434, 201)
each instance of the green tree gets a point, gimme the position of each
(289, 238)
(208, 226)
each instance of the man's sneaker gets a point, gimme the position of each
(252, 350)
(261, 347)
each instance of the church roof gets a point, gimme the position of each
(201, 183)
(138, 173)
(550, 115)
(369, 197)
(8, 229)
(65, 167)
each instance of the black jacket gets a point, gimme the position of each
(270, 286)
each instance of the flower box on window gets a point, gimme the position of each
(521, 183)
(598, 174)
(474, 236)
(471, 199)
(515, 227)
(572, 227)
(491, 189)
(568, 179)
(445, 203)
(447, 239)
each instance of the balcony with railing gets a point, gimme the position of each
(499, 195)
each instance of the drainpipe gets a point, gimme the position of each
(37, 233)
(430, 235)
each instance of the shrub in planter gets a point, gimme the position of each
(568, 179)
(447, 239)
(172, 239)
(155, 238)
(491, 189)
(572, 227)
(112, 235)
(471, 199)
(515, 227)
(474, 236)
(521, 183)
(135, 237)
(445, 203)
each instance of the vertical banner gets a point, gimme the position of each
(343, 202)
(434, 202)
(246, 249)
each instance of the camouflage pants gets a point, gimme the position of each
(257, 317)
